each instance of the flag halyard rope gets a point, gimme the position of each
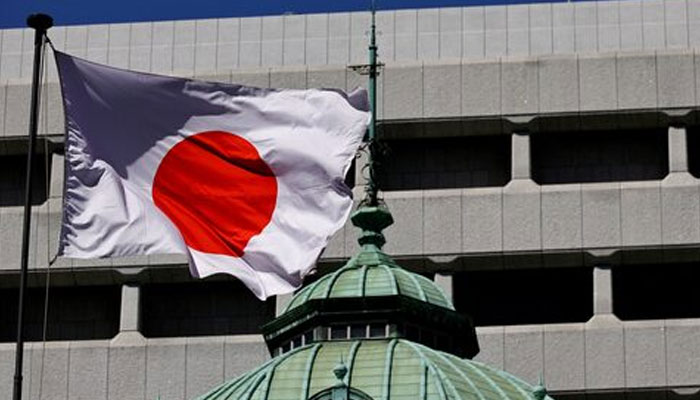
(47, 188)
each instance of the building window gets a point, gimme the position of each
(444, 163)
(309, 337)
(13, 175)
(377, 330)
(75, 313)
(202, 308)
(600, 156)
(656, 291)
(358, 331)
(525, 296)
(412, 332)
(338, 332)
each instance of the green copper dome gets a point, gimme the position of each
(372, 296)
(371, 275)
(387, 369)
(395, 334)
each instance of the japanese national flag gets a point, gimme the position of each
(243, 180)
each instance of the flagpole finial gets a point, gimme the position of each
(40, 22)
(372, 216)
(371, 69)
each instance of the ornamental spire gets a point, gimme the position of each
(340, 371)
(371, 69)
(372, 216)
(372, 187)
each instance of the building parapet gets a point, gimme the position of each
(503, 90)
(473, 33)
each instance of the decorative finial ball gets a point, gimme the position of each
(340, 371)
(539, 392)
(41, 22)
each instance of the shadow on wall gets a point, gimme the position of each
(13, 171)
(75, 313)
(202, 308)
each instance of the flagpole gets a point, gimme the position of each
(40, 23)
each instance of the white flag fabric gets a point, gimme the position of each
(244, 181)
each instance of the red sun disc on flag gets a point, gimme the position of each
(217, 190)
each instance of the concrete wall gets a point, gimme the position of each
(406, 35)
(603, 354)
(466, 71)
(520, 217)
(131, 367)
(510, 88)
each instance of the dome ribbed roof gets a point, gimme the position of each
(370, 278)
(384, 369)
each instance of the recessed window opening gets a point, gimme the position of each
(525, 296)
(600, 156)
(339, 332)
(358, 331)
(444, 163)
(412, 332)
(425, 336)
(377, 330)
(443, 342)
(202, 308)
(75, 313)
(660, 291)
(309, 337)
(13, 175)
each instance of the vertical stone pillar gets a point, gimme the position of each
(677, 150)
(444, 282)
(602, 290)
(130, 320)
(361, 174)
(522, 199)
(57, 166)
(520, 155)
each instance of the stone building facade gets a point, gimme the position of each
(544, 170)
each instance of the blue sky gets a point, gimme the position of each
(71, 12)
